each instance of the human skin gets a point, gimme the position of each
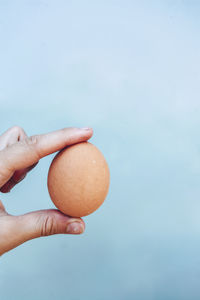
(19, 154)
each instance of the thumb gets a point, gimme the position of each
(48, 222)
(19, 229)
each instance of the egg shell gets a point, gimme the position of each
(78, 179)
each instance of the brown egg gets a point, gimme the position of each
(78, 179)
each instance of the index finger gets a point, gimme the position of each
(29, 151)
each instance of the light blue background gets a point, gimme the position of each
(131, 70)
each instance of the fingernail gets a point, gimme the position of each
(75, 228)
(86, 128)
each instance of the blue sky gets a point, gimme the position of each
(129, 69)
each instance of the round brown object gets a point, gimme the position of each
(78, 179)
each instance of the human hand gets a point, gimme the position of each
(18, 155)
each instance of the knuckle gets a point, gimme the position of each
(33, 140)
(16, 128)
(48, 226)
(32, 143)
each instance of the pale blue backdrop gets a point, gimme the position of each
(131, 70)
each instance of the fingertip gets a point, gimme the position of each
(75, 226)
(87, 130)
(78, 134)
(85, 133)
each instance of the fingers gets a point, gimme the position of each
(20, 229)
(27, 152)
(11, 136)
(8, 138)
